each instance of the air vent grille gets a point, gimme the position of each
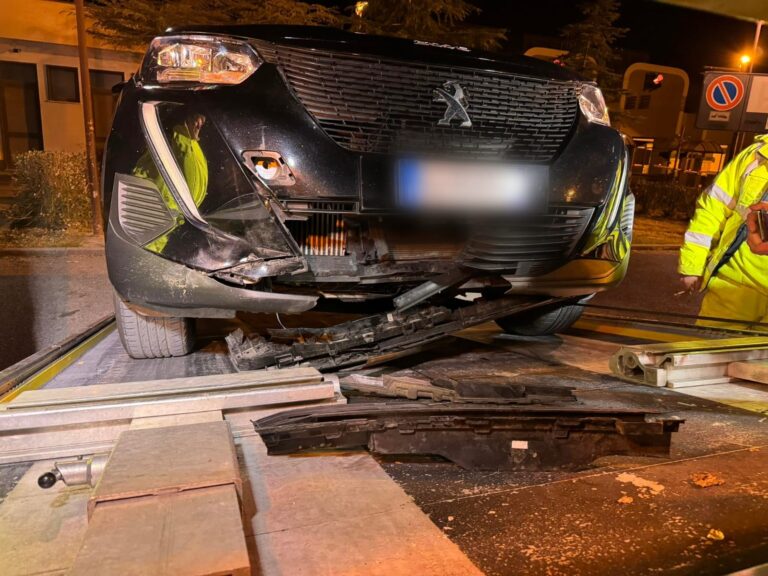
(141, 211)
(530, 248)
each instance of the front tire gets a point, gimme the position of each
(152, 336)
(541, 322)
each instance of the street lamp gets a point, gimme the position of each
(743, 61)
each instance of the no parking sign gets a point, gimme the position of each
(734, 102)
(724, 92)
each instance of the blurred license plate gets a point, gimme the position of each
(471, 186)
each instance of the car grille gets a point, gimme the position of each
(530, 248)
(369, 104)
(520, 248)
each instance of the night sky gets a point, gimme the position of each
(672, 36)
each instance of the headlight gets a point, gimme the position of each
(199, 60)
(593, 105)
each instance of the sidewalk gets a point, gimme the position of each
(91, 246)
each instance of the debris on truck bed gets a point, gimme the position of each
(474, 436)
(355, 342)
(483, 391)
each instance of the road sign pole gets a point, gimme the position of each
(677, 154)
(739, 137)
(732, 147)
(758, 30)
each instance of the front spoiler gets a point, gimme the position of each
(576, 278)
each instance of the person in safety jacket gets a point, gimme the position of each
(715, 255)
(189, 155)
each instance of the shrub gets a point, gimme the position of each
(665, 198)
(52, 191)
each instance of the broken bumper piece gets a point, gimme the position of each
(356, 342)
(476, 437)
(484, 391)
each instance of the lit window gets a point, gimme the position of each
(63, 84)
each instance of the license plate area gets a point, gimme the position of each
(474, 187)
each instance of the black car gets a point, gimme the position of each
(278, 169)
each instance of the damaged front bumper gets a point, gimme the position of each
(157, 285)
(180, 248)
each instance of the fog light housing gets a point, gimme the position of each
(269, 167)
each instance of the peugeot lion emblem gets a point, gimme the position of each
(452, 94)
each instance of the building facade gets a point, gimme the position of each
(666, 141)
(40, 100)
(651, 112)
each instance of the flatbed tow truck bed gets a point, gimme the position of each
(626, 515)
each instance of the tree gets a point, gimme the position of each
(133, 24)
(439, 21)
(590, 44)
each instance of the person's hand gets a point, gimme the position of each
(690, 283)
(754, 240)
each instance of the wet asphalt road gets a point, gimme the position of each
(44, 299)
(651, 284)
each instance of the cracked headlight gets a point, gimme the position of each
(593, 106)
(193, 59)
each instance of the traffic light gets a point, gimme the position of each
(652, 81)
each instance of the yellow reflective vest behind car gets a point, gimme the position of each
(722, 209)
(193, 165)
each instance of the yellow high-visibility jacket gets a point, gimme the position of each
(193, 165)
(722, 209)
(192, 162)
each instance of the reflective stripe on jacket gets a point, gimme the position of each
(721, 210)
